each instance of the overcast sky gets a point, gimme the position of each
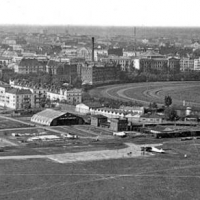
(101, 12)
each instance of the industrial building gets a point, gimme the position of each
(118, 124)
(50, 117)
(98, 120)
(99, 73)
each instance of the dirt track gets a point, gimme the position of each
(87, 156)
(4, 142)
(148, 92)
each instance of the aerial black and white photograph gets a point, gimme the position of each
(99, 100)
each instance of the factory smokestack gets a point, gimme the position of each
(92, 49)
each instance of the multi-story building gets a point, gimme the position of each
(9, 41)
(150, 61)
(195, 45)
(186, 64)
(173, 64)
(115, 52)
(85, 53)
(5, 71)
(98, 53)
(129, 53)
(62, 68)
(54, 67)
(71, 96)
(3, 90)
(98, 73)
(31, 65)
(5, 61)
(15, 98)
(197, 64)
(149, 64)
(39, 93)
(74, 96)
(69, 52)
(125, 62)
(19, 99)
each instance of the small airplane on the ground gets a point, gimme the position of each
(69, 136)
(152, 149)
(119, 134)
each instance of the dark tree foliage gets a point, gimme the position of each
(171, 114)
(168, 101)
(153, 105)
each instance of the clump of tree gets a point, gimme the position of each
(168, 101)
(171, 114)
(153, 105)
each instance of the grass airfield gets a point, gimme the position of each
(158, 176)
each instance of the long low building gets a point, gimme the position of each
(50, 117)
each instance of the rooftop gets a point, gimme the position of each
(19, 91)
(32, 62)
(151, 54)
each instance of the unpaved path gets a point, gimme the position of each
(4, 142)
(87, 156)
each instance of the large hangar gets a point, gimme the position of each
(50, 117)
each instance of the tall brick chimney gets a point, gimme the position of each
(92, 49)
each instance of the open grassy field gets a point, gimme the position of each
(163, 176)
(5, 123)
(71, 130)
(152, 92)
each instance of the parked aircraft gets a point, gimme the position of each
(70, 136)
(152, 149)
(119, 134)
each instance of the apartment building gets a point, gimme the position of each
(73, 96)
(150, 61)
(197, 64)
(186, 64)
(39, 93)
(31, 65)
(19, 99)
(125, 62)
(15, 98)
(98, 73)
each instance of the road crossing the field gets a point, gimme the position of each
(87, 155)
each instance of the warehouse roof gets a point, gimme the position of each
(45, 117)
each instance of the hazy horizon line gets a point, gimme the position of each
(92, 25)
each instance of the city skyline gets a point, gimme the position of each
(100, 13)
